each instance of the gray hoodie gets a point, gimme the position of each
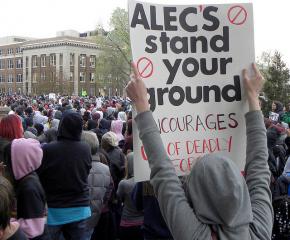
(130, 215)
(217, 198)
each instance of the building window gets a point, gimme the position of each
(19, 63)
(34, 77)
(10, 90)
(0, 52)
(19, 78)
(43, 60)
(34, 61)
(52, 79)
(82, 77)
(10, 78)
(26, 62)
(42, 76)
(10, 63)
(18, 50)
(2, 64)
(92, 61)
(82, 60)
(9, 51)
(2, 79)
(52, 60)
(72, 59)
(92, 77)
(100, 78)
(19, 90)
(71, 76)
(60, 59)
(110, 78)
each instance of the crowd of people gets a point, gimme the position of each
(66, 172)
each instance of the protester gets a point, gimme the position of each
(154, 226)
(276, 115)
(64, 176)
(26, 157)
(100, 181)
(218, 202)
(22, 157)
(106, 227)
(128, 142)
(281, 205)
(116, 127)
(132, 219)
(282, 183)
(286, 115)
(104, 127)
(9, 230)
(117, 159)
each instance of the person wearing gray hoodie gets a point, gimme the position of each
(218, 203)
(131, 219)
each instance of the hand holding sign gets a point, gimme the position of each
(253, 86)
(137, 91)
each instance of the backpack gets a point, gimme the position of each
(281, 228)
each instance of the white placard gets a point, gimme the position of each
(191, 59)
(51, 96)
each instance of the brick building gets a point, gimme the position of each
(64, 64)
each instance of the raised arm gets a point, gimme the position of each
(256, 169)
(174, 207)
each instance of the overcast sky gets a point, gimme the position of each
(43, 18)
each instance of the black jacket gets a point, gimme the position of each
(66, 165)
(117, 165)
(281, 186)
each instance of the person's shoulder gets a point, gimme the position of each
(103, 167)
(30, 183)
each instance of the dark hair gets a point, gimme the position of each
(39, 127)
(28, 110)
(6, 203)
(19, 110)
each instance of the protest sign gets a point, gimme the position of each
(191, 59)
(51, 96)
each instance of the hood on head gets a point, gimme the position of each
(218, 192)
(96, 116)
(92, 124)
(55, 124)
(110, 111)
(122, 116)
(57, 115)
(26, 156)
(130, 165)
(101, 114)
(279, 107)
(105, 124)
(70, 126)
(116, 127)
